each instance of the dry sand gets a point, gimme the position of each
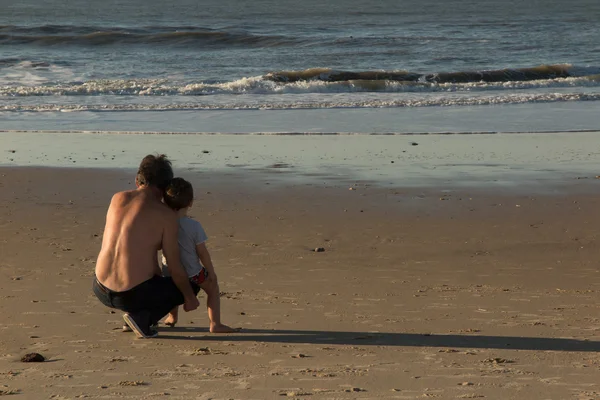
(418, 294)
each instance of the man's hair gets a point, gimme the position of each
(155, 171)
(179, 194)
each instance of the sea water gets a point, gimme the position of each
(279, 66)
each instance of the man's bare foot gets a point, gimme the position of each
(221, 328)
(171, 321)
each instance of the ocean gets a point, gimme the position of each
(266, 66)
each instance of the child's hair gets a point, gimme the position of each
(179, 194)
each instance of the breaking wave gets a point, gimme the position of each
(317, 83)
(502, 75)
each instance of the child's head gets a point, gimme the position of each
(179, 194)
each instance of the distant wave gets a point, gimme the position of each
(50, 35)
(72, 35)
(502, 75)
(443, 101)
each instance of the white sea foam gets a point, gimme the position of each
(258, 85)
(31, 74)
(326, 103)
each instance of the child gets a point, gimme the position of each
(194, 255)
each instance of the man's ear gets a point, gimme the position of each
(137, 183)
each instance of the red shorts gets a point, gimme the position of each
(199, 277)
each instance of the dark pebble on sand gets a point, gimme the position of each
(242, 313)
(414, 144)
(12, 151)
(355, 389)
(205, 151)
(319, 249)
(33, 357)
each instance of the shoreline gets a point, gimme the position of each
(529, 117)
(299, 133)
(519, 162)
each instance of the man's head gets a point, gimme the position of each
(154, 171)
(179, 194)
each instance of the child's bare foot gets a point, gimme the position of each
(171, 321)
(221, 328)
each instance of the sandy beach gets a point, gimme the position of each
(401, 197)
(419, 293)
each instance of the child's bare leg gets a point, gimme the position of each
(213, 303)
(172, 317)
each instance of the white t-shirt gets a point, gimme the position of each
(190, 234)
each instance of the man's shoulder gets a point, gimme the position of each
(121, 197)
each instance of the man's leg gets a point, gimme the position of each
(161, 296)
(147, 303)
(102, 293)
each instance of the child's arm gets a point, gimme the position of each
(205, 260)
(157, 269)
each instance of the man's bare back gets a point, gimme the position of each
(135, 224)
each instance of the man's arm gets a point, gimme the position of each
(170, 248)
(205, 260)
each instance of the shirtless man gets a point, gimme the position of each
(128, 276)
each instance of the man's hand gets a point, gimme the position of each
(191, 304)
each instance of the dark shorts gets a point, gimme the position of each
(150, 300)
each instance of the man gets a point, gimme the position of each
(138, 225)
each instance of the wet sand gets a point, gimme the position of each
(472, 293)
(534, 162)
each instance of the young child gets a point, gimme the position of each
(194, 255)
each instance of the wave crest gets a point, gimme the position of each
(490, 76)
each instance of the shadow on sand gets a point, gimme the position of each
(384, 339)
